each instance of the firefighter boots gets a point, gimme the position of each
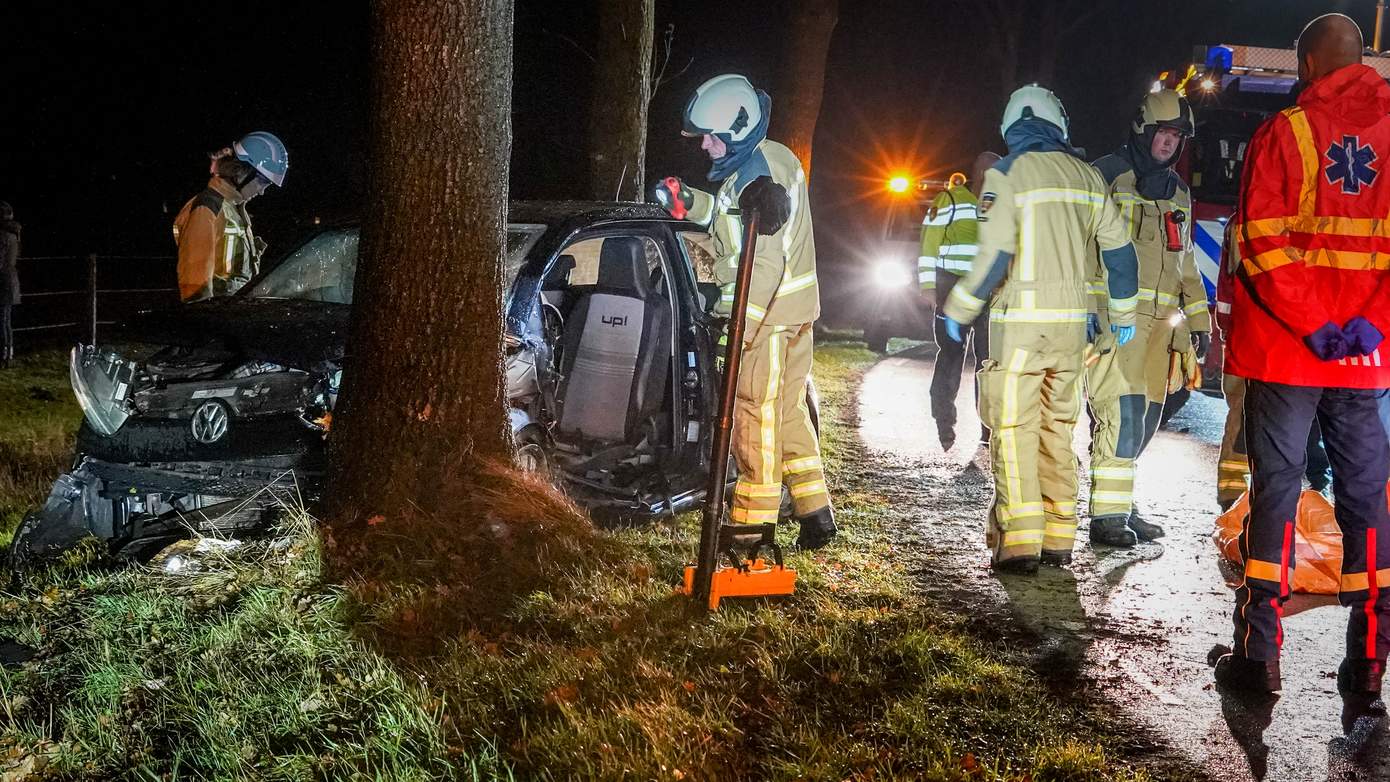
(1358, 682)
(1056, 558)
(1113, 531)
(1025, 565)
(817, 529)
(1144, 530)
(1250, 676)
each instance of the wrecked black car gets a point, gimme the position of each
(211, 413)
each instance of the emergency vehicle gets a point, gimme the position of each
(1232, 89)
(896, 306)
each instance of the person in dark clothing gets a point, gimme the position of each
(9, 281)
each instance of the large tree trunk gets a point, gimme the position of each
(801, 76)
(422, 390)
(622, 89)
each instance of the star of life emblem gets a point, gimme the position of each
(1350, 164)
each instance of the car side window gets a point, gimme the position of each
(698, 250)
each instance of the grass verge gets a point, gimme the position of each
(38, 416)
(526, 651)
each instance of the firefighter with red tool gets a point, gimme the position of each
(1312, 305)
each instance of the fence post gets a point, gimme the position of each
(91, 298)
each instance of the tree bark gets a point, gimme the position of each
(422, 393)
(622, 89)
(801, 76)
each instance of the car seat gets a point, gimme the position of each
(617, 349)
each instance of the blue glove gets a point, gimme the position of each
(1092, 327)
(1328, 342)
(1122, 334)
(953, 329)
(1362, 337)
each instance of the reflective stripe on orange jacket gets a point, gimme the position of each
(1314, 234)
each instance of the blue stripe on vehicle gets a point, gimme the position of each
(1211, 246)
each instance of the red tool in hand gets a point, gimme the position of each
(678, 209)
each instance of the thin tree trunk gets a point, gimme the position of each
(801, 81)
(422, 390)
(622, 89)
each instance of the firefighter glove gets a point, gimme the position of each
(1123, 334)
(953, 329)
(1362, 337)
(770, 201)
(1092, 327)
(1201, 343)
(1328, 343)
(673, 196)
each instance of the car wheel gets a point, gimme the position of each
(532, 453)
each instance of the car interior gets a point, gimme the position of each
(609, 307)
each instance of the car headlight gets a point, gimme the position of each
(891, 275)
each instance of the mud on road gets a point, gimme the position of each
(1133, 627)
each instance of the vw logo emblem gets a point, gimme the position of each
(210, 422)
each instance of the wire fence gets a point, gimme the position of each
(74, 295)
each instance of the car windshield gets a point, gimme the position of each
(323, 269)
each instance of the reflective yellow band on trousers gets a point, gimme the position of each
(1358, 582)
(753, 515)
(758, 489)
(1264, 571)
(803, 490)
(1022, 537)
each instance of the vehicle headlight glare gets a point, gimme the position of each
(891, 275)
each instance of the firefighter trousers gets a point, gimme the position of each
(950, 355)
(1126, 388)
(1233, 470)
(1029, 401)
(773, 439)
(1277, 420)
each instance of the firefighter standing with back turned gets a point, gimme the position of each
(1040, 210)
(773, 439)
(1312, 304)
(950, 235)
(1127, 385)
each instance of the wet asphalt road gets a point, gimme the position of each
(1135, 626)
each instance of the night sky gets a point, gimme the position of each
(108, 111)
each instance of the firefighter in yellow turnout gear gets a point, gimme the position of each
(1127, 385)
(1040, 209)
(774, 442)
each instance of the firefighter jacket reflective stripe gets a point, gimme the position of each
(950, 235)
(784, 289)
(1038, 212)
(217, 249)
(774, 442)
(1314, 239)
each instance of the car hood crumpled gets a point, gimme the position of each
(307, 335)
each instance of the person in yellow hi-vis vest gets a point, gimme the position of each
(774, 442)
(1127, 386)
(949, 243)
(1040, 209)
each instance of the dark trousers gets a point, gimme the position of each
(6, 331)
(1277, 421)
(950, 356)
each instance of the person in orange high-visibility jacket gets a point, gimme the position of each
(1312, 304)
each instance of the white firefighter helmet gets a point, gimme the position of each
(726, 105)
(1034, 101)
(1165, 109)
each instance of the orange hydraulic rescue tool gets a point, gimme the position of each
(749, 576)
